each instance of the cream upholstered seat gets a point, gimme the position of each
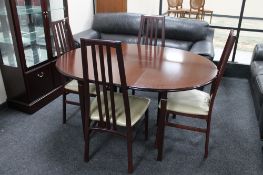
(138, 106)
(190, 102)
(73, 86)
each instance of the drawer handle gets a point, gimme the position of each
(40, 75)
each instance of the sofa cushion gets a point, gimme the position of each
(117, 23)
(257, 87)
(186, 30)
(184, 45)
(117, 37)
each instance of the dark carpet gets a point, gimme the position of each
(41, 144)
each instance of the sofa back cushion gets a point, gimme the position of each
(185, 29)
(129, 24)
(117, 23)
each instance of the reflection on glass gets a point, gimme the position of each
(6, 41)
(32, 31)
(56, 12)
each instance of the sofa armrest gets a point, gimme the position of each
(258, 53)
(88, 34)
(205, 47)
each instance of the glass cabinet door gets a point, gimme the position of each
(32, 31)
(6, 40)
(56, 11)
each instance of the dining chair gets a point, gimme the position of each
(111, 110)
(196, 8)
(64, 42)
(151, 28)
(207, 12)
(195, 103)
(175, 7)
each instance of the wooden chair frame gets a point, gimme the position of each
(197, 8)
(64, 42)
(104, 86)
(213, 91)
(149, 30)
(176, 7)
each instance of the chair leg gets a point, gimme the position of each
(129, 150)
(86, 147)
(207, 137)
(146, 118)
(159, 98)
(64, 107)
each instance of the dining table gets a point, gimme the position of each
(148, 68)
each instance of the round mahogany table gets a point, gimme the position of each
(150, 68)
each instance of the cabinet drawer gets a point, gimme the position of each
(39, 82)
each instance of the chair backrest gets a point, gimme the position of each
(106, 58)
(63, 37)
(150, 29)
(222, 66)
(174, 4)
(197, 4)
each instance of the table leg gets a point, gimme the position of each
(161, 125)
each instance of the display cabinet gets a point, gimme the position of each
(28, 54)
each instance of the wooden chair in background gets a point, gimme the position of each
(109, 109)
(196, 8)
(195, 103)
(207, 12)
(176, 7)
(64, 42)
(152, 27)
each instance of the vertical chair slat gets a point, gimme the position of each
(66, 38)
(62, 27)
(55, 33)
(95, 67)
(113, 114)
(104, 85)
(147, 32)
(124, 86)
(151, 29)
(156, 32)
(60, 38)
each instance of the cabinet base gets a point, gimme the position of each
(34, 106)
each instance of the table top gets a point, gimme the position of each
(151, 68)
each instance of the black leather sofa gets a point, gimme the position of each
(190, 35)
(256, 83)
